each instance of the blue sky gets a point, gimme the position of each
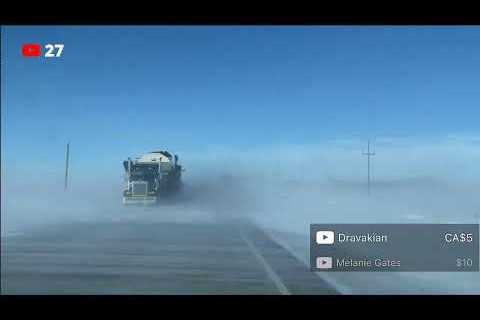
(119, 91)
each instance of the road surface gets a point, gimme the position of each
(153, 258)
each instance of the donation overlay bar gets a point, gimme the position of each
(394, 247)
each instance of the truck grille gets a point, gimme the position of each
(139, 188)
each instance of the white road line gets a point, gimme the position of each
(324, 276)
(270, 272)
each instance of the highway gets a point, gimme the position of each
(126, 257)
(218, 237)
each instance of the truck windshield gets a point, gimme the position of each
(143, 172)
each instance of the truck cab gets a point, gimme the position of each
(150, 176)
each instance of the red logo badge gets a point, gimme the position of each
(31, 50)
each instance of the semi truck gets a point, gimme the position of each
(150, 176)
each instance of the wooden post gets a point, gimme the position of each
(368, 154)
(67, 156)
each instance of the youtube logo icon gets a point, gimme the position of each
(31, 50)
(325, 237)
(324, 263)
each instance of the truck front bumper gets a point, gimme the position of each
(139, 200)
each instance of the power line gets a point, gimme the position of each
(67, 158)
(368, 154)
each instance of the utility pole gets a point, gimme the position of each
(67, 156)
(368, 154)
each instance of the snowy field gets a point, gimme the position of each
(284, 197)
(285, 209)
